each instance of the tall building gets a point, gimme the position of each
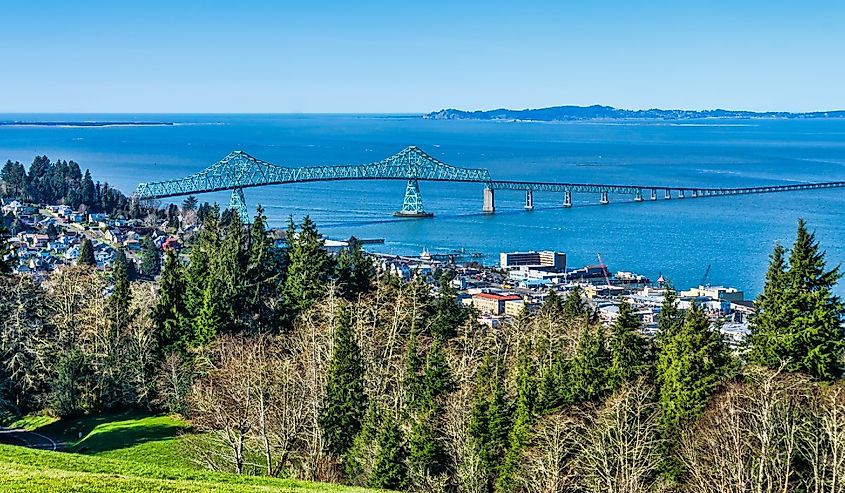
(546, 259)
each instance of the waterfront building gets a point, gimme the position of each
(555, 261)
(714, 293)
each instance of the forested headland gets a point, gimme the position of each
(293, 362)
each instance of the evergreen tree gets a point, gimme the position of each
(799, 322)
(345, 401)
(448, 314)
(150, 257)
(189, 204)
(630, 350)
(692, 362)
(208, 322)
(121, 297)
(229, 266)
(588, 378)
(489, 424)
(520, 434)
(264, 277)
(389, 470)
(355, 271)
(86, 254)
(670, 318)
(7, 253)
(172, 328)
(309, 266)
(764, 341)
(199, 266)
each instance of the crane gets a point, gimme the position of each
(604, 269)
(706, 277)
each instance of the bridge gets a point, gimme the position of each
(239, 170)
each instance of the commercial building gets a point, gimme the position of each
(720, 293)
(492, 303)
(555, 261)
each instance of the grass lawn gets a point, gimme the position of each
(124, 452)
(28, 470)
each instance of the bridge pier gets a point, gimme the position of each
(604, 200)
(695, 194)
(567, 198)
(489, 201)
(668, 194)
(412, 205)
(653, 194)
(529, 200)
(639, 196)
(681, 193)
(237, 204)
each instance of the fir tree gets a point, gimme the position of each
(764, 340)
(588, 372)
(520, 434)
(120, 298)
(389, 470)
(448, 314)
(86, 254)
(263, 277)
(630, 350)
(345, 401)
(229, 266)
(355, 271)
(670, 318)
(169, 313)
(199, 265)
(208, 322)
(489, 424)
(7, 253)
(309, 266)
(150, 257)
(693, 361)
(799, 322)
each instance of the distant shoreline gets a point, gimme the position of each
(82, 124)
(609, 113)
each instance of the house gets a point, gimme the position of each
(171, 243)
(17, 209)
(96, 217)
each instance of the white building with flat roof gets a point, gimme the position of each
(526, 260)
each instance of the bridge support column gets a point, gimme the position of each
(529, 200)
(639, 196)
(653, 194)
(412, 206)
(489, 201)
(238, 205)
(604, 200)
(567, 198)
(681, 193)
(668, 194)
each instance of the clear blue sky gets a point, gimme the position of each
(397, 56)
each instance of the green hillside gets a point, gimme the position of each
(125, 453)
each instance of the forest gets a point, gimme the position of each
(292, 362)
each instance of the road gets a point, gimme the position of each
(29, 439)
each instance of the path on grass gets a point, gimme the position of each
(31, 439)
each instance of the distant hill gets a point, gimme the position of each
(597, 112)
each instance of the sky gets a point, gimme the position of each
(398, 56)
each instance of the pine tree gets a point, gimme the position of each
(309, 266)
(630, 350)
(389, 470)
(200, 263)
(354, 271)
(86, 254)
(800, 319)
(172, 329)
(345, 401)
(670, 318)
(229, 266)
(693, 361)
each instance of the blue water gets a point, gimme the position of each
(679, 238)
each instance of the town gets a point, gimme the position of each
(48, 237)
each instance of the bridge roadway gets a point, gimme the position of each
(239, 170)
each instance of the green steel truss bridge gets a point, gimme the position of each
(239, 170)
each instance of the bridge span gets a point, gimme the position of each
(239, 170)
